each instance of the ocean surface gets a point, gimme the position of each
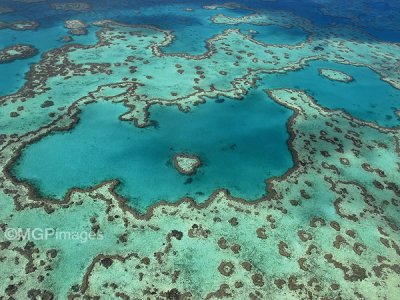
(292, 109)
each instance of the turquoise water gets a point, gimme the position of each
(12, 75)
(241, 143)
(367, 97)
(191, 30)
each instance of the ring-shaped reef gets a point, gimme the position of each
(240, 145)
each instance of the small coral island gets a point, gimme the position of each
(5, 10)
(335, 75)
(186, 164)
(76, 27)
(20, 25)
(12, 53)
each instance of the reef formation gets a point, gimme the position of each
(327, 228)
(12, 53)
(335, 75)
(186, 164)
(74, 6)
(20, 25)
(76, 27)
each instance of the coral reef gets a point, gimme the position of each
(335, 75)
(74, 6)
(76, 27)
(186, 164)
(20, 25)
(326, 229)
(12, 53)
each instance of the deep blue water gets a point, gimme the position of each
(306, 8)
(191, 29)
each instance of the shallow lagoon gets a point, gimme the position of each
(367, 97)
(288, 222)
(241, 143)
(191, 29)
